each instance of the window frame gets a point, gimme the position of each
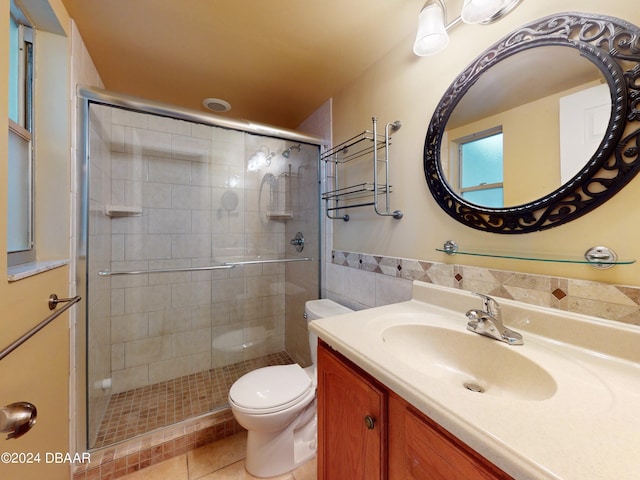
(458, 163)
(22, 128)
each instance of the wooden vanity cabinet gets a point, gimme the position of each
(352, 409)
(404, 444)
(421, 449)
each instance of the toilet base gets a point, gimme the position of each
(270, 454)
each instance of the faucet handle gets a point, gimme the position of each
(491, 306)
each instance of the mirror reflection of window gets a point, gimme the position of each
(481, 172)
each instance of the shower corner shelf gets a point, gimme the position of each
(122, 211)
(279, 215)
(364, 145)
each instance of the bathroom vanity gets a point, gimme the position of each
(405, 391)
(365, 430)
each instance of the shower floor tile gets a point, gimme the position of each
(144, 409)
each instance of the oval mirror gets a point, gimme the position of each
(556, 138)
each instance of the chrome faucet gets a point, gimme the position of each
(488, 322)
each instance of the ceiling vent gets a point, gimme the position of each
(216, 105)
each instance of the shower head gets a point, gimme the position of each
(287, 152)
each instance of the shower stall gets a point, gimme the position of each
(199, 242)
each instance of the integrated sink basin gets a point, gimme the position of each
(468, 360)
(561, 406)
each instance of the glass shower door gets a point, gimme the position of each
(190, 271)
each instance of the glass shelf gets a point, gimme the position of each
(608, 257)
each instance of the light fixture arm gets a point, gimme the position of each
(433, 24)
(449, 25)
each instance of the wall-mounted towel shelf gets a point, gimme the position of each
(597, 257)
(364, 145)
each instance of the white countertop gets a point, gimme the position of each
(588, 429)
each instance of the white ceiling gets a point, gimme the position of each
(275, 61)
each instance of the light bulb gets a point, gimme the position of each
(432, 36)
(478, 11)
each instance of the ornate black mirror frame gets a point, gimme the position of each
(611, 44)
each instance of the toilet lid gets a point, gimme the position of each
(270, 387)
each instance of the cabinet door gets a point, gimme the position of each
(351, 421)
(420, 449)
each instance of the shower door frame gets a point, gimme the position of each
(91, 95)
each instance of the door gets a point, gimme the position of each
(351, 422)
(584, 117)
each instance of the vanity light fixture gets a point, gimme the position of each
(432, 34)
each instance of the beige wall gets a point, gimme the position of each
(405, 87)
(38, 371)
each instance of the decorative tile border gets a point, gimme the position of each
(612, 302)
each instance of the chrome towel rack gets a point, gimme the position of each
(222, 266)
(52, 302)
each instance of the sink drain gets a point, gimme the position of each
(473, 387)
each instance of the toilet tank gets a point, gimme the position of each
(314, 309)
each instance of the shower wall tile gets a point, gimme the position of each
(126, 167)
(191, 197)
(190, 148)
(129, 118)
(127, 225)
(224, 290)
(147, 247)
(221, 136)
(117, 139)
(264, 286)
(188, 294)
(146, 351)
(190, 245)
(190, 342)
(201, 174)
(163, 220)
(201, 221)
(117, 356)
(156, 195)
(166, 170)
(168, 125)
(117, 302)
(129, 327)
(129, 378)
(201, 316)
(168, 369)
(147, 142)
(167, 322)
(199, 204)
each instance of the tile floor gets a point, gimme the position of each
(221, 460)
(147, 408)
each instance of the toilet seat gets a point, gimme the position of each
(271, 389)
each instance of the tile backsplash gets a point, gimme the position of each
(361, 281)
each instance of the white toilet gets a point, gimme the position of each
(277, 405)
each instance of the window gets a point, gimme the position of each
(20, 235)
(480, 164)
